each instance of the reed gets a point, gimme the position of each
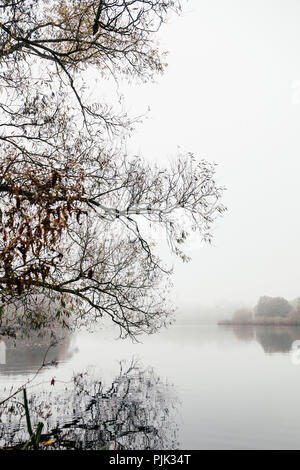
(35, 437)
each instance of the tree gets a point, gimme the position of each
(242, 315)
(72, 244)
(272, 307)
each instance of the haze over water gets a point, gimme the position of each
(225, 388)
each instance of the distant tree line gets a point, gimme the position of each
(274, 309)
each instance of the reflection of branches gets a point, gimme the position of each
(31, 379)
(137, 411)
(11, 410)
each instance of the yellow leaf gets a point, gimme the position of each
(49, 442)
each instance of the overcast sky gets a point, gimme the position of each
(231, 94)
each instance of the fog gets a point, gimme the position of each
(231, 94)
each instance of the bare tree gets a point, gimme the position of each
(71, 199)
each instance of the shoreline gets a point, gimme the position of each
(270, 322)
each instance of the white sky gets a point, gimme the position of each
(231, 94)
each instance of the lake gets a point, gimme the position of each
(187, 387)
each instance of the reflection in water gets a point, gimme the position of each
(273, 339)
(137, 411)
(19, 356)
(224, 392)
(244, 333)
(2, 352)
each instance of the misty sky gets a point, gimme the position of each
(231, 94)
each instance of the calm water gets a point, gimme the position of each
(188, 387)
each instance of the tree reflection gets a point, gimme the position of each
(273, 339)
(244, 333)
(23, 355)
(277, 339)
(137, 411)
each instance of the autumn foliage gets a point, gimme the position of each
(71, 200)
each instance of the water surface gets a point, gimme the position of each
(190, 387)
